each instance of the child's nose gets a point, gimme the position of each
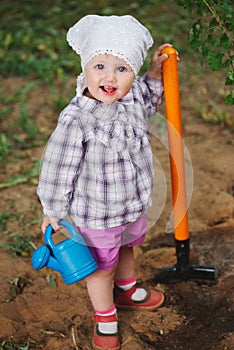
(111, 76)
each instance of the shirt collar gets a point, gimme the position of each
(127, 99)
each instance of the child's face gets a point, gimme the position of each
(108, 78)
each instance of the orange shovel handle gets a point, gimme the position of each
(176, 146)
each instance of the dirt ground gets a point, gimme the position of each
(38, 311)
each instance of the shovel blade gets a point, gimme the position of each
(191, 272)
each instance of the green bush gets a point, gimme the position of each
(211, 33)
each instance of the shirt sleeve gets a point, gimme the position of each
(60, 167)
(152, 92)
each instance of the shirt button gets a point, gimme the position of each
(130, 133)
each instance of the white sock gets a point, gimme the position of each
(108, 328)
(138, 295)
(127, 286)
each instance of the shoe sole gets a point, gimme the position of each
(97, 348)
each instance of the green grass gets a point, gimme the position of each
(21, 246)
(25, 122)
(33, 34)
(11, 344)
(4, 149)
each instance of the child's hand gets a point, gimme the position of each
(155, 69)
(49, 221)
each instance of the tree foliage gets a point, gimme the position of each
(211, 33)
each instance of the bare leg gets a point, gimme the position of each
(126, 265)
(100, 289)
(100, 283)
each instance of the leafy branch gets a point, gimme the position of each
(211, 34)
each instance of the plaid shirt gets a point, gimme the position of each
(97, 166)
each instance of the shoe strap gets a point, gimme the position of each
(125, 292)
(105, 319)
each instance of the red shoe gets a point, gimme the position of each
(123, 299)
(105, 341)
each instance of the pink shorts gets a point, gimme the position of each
(104, 244)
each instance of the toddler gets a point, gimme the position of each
(97, 167)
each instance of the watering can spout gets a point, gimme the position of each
(43, 258)
(54, 265)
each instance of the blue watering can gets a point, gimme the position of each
(71, 257)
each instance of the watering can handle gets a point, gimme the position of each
(71, 228)
(48, 236)
(49, 231)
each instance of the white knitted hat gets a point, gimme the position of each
(121, 36)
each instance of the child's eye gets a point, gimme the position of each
(122, 69)
(100, 66)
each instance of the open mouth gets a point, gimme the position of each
(108, 90)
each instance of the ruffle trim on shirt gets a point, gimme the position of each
(118, 137)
